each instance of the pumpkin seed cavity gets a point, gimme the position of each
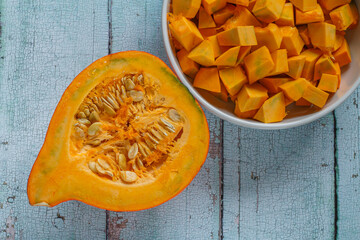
(124, 129)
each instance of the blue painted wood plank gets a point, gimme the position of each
(44, 45)
(194, 214)
(348, 168)
(279, 184)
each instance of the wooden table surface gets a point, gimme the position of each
(301, 183)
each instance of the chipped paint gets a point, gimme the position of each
(10, 227)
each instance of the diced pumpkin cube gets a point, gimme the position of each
(311, 57)
(251, 97)
(329, 83)
(338, 73)
(269, 36)
(244, 115)
(273, 109)
(242, 17)
(188, 66)
(280, 60)
(251, 4)
(224, 14)
(273, 84)
(287, 16)
(215, 45)
(208, 32)
(331, 4)
(322, 35)
(188, 8)
(294, 90)
(258, 64)
(208, 79)
(342, 17)
(233, 79)
(291, 41)
(176, 44)
(338, 41)
(324, 65)
(302, 102)
(228, 58)
(343, 55)
(355, 13)
(223, 95)
(238, 36)
(203, 54)
(304, 5)
(315, 15)
(205, 20)
(185, 32)
(296, 66)
(304, 34)
(268, 10)
(315, 96)
(212, 6)
(288, 101)
(244, 51)
(244, 3)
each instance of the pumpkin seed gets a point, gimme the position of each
(122, 161)
(162, 130)
(81, 115)
(87, 112)
(94, 129)
(128, 176)
(118, 97)
(152, 138)
(174, 115)
(79, 132)
(84, 121)
(167, 124)
(129, 84)
(99, 169)
(134, 167)
(92, 167)
(140, 78)
(156, 134)
(133, 151)
(109, 110)
(94, 117)
(136, 96)
(146, 148)
(123, 93)
(142, 150)
(110, 174)
(95, 142)
(139, 163)
(113, 102)
(103, 164)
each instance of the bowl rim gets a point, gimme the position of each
(233, 119)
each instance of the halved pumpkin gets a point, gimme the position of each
(125, 136)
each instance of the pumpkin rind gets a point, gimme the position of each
(56, 177)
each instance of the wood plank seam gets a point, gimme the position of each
(335, 178)
(107, 233)
(221, 179)
(110, 26)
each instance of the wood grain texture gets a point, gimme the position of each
(194, 213)
(44, 45)
(279, 184)
(348, 168)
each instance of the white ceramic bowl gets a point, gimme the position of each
(297, 115)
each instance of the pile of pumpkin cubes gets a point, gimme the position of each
(263, 54)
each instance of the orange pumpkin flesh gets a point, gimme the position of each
(165, 123)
